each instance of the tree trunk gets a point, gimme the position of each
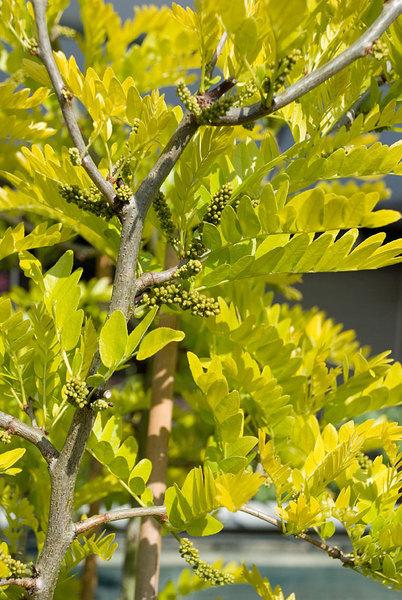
(159, 427)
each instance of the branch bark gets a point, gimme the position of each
(62, 93)
(29, 583)
(117, 515)
(159, 428)
(360, 48)
(160, 511)
(35, 436)
(332, 551)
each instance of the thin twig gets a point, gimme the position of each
(332, 551)
(31, 434)
(360, 48)
(118, 515)
(156, 278)
(350, 115)
(65, 101)
(160, 511)
(29, 409)
(209, 69)
(29, 583)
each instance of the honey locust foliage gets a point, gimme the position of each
(271, 395)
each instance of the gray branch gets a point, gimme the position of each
(332, 551)
(29, 583)
(155, 278)
(360, 48)
(31, 434)
(160, 511)
(212, 64)
(134, 214)
(118, 515)
(63, 96)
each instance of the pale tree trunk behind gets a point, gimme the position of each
(159, 427)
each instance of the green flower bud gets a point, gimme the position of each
(90, 200)
(135, 125)
(189, 269)
(217, 109)
(196, 249)
(5, 437)
(100, 405)
(364, 461)
(217, 204)
(164, 215)
(75, 157)
(76, 392)
(123, 194)
(189, 101)
(174, 293)
(32, 46)
(16, 567)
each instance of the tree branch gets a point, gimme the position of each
(134, 214)
(156, 278)
(65, 101)
(118, 515)
(160, 511)
(360, 48)
(212, 64)
(346, 120)
(31, 434)
(29, 583)
(332, 551)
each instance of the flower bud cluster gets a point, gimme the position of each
(76, 392)
(16, 567)
(285, 66)
(75, 156)
(217, 109)
(246, 92)
(174, 293)
(195, 249)
(5, 437)
(189, 101)
(135, 125)
(189, 269)
(90, 200)
(100, 405)
(364, 461)
(217, 204)
(201, 568)
(164, 215)
(32, 46)
(123, 194)
(380, 50)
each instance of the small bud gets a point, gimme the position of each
(75, 156)
(100, 405)
(5, 437)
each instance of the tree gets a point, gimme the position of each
(206, 219)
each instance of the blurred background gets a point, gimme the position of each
(369, 302)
